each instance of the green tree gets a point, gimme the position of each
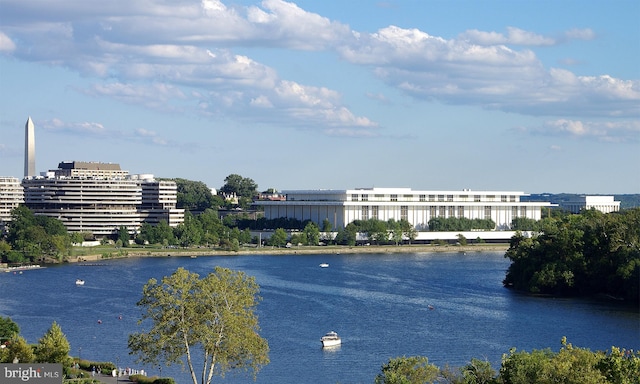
(195, 196)
(312, 233)
(123, 236)
(407, 370)
(478, 372)
(408, 230)
(326, 225)
(244, 188)
(53, 347)
(215, 313)
(17, 350)
(8, 329)
(278, 238)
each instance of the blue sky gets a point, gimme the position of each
(533, 96)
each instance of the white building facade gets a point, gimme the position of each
(11, 196)
(341, 207)
(605, 204)
(102, 204)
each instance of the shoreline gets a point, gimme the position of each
(302, 250)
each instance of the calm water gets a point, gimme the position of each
(379, 304)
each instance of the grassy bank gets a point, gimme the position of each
(93, 254)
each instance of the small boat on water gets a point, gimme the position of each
(79, 282)
(324, 265)
(330, 339)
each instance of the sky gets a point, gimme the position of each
(533, 96)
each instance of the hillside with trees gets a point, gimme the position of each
(579, 255)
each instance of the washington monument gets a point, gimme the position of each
(29, 149)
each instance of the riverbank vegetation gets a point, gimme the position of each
(587, 254)
(570, 365)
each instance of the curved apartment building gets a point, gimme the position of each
(98, 206)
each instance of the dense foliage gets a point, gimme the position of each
(571, 365)
(195, 196)
(53, 346)
(244, 188)
(587, 254)
(439, 224)
(30, 237)
(214, 315)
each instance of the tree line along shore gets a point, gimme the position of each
(295, 250)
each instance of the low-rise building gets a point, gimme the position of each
(605, 204)
(341, 207)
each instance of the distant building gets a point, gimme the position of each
(99, 198)
(605, 204)
(341, 207)
(90, 169)
(11, 196)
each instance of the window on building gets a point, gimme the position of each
(487, 212)
(449, 197)
(432, 212)
(394, 197)
(452, 211)
(503, 198)
(491, 197)
(374, 212)
(464, 197)
(432, 197)
(404, 212)
(440, 197)
(476, 198)
(365, 197)
(354, 197)
(441, 211)
(423, 197)
(514, 212)
(365, 212)
(407, 197)
(512, 198)
(461, 211)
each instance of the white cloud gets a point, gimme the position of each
(178, 56)
(6, 44)
(491, 76)
(606, 131)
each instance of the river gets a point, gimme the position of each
(449, 307)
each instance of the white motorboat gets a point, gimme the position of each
(330, 339)
(324, 265)
(79, 282)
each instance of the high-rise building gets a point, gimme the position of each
(11, 195)
(29, 149)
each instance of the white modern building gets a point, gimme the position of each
(341, 207)
(605, 204)
(11, 196)
(102, 204)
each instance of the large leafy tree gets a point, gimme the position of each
(195, 196)
(17, 350)
(53, 347)
(215, 314)
(244, 188)
(408, 370)
(586, 254)
(8, 329)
